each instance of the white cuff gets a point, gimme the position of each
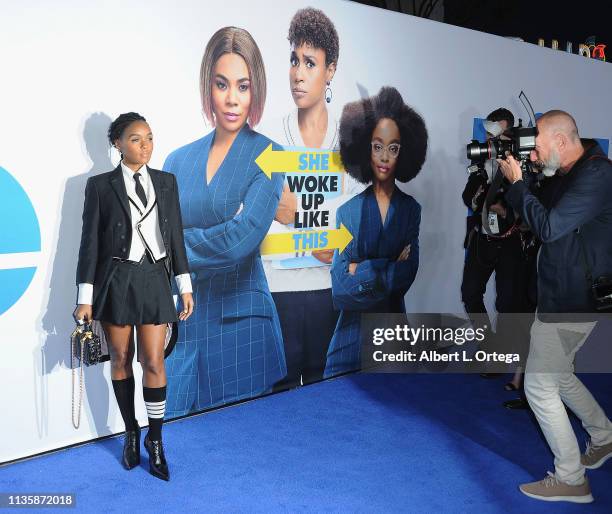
(85, 295)
(183, 283)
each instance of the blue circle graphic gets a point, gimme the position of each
(19, 233)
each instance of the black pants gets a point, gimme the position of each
(308, 321)
(513, 273)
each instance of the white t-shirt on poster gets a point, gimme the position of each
(302, 271)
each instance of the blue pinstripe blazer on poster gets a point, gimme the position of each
(380, 282)
(231, 347)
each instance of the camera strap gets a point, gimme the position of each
(493, 188)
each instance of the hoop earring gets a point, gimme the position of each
(328, 93)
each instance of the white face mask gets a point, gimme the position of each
(493, 127)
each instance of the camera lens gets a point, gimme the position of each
(477, 151)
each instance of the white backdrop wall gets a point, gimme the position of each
(70, 67)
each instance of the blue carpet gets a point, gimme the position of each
(360, 443)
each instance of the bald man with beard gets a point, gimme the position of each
(575, 225)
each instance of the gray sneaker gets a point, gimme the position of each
(594, 456)
(552, 490)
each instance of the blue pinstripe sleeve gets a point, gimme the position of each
(398, 276)
(351, 292)
(374, 279)
(223, 246)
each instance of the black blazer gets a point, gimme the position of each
(107, 226)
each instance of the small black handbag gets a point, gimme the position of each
(86, 345)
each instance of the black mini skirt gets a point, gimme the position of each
(136, 293)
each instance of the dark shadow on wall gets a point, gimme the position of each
(57, 323)
(438, 281)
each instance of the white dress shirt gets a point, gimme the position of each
(145, 223)
(146, 235)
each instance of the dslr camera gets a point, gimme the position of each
(520, 142)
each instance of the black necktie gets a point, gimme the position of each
(140, 190)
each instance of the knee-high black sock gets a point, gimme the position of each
(124, 392)
(155, 401)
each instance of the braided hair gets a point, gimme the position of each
(117, 127)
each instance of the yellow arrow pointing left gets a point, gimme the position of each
(288, 161)
(309, 240)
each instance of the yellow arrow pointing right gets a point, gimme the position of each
(308, 240)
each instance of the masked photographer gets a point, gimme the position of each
(576, 233)
(495, 243)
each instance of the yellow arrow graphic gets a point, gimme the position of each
(306, 241)
(288, 161)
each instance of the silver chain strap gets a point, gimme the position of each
(75, 335)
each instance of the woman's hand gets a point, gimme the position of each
(82, 313)
(405, 254)
(325, 256)
(353, 267)
(287, 207)
(187, 301)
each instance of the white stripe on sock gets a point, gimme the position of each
(156, 410)
(156, 404)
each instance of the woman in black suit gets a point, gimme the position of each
(132, 241)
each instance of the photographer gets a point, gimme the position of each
(576, 234)
(498, 247)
